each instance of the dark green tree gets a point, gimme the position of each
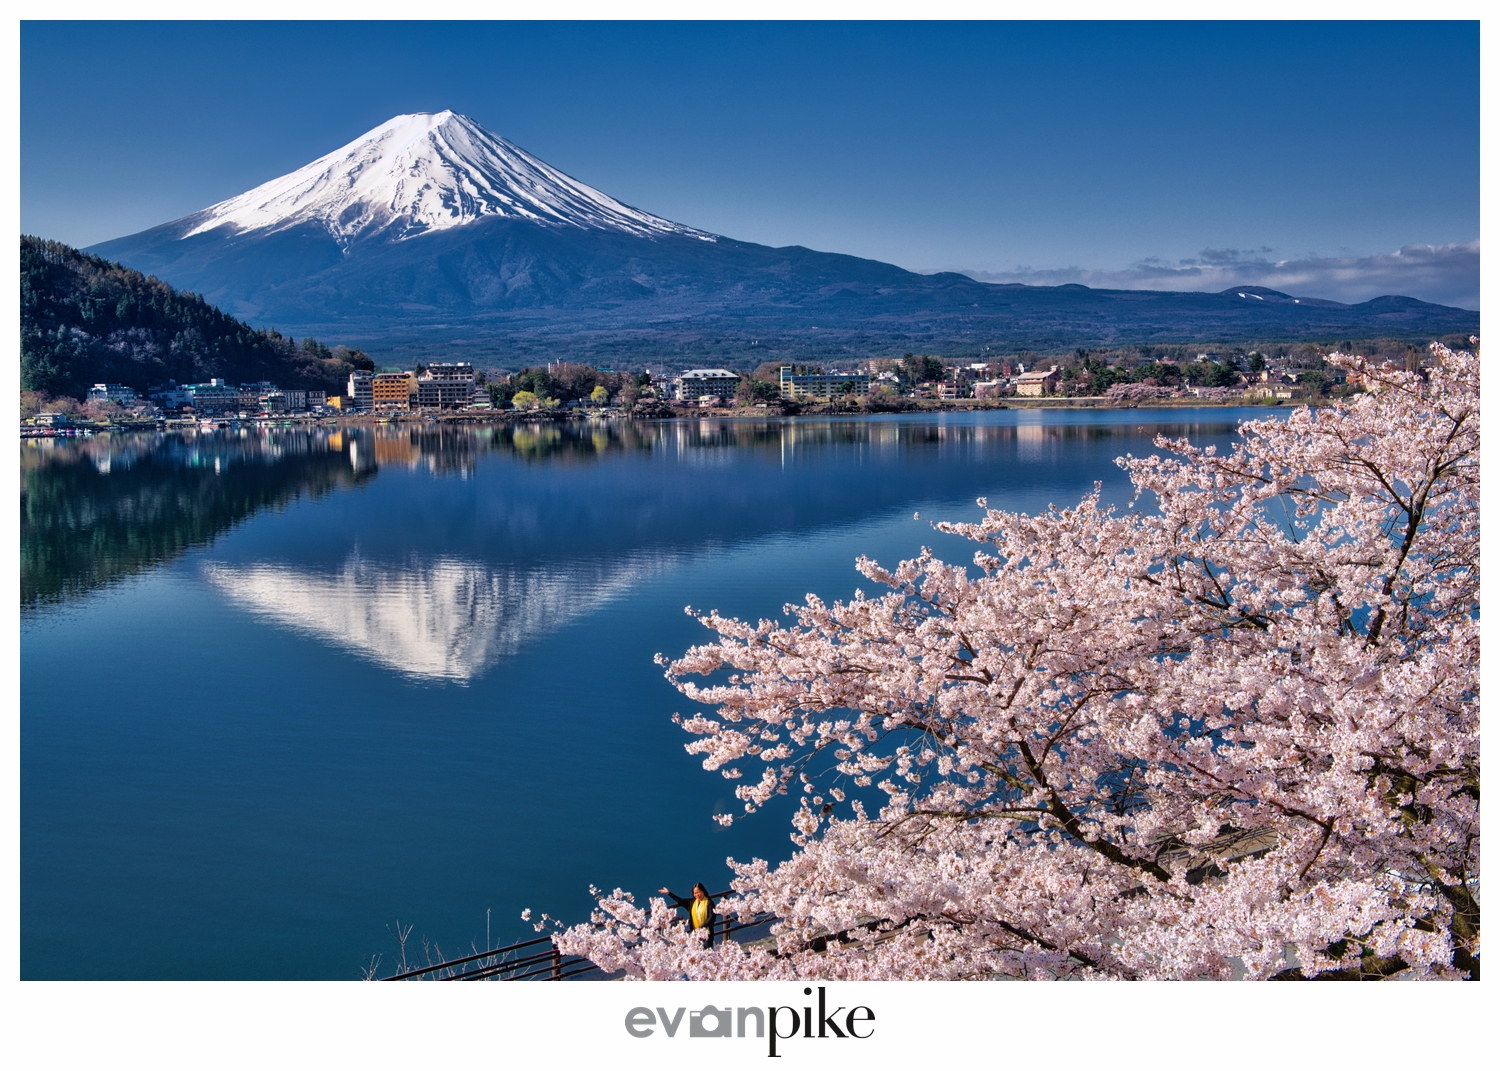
(921, 369)
(85, 320)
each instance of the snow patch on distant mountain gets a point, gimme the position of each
(422, 173)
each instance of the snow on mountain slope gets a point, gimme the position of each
(420, 173)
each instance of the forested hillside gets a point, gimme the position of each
(85, 320)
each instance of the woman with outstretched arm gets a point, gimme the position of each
(700, 911)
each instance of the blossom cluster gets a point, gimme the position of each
(1228, 730)
(1138, 392)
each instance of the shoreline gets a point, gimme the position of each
(659, 411)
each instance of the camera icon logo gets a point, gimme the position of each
(722, 1022)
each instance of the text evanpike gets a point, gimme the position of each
(712, 1022)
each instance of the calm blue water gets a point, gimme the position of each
(282, 689)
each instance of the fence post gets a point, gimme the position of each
(556, 964)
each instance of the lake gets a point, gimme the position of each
(282, 688)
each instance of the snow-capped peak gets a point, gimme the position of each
(426, 172)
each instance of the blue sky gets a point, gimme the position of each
(1182, 156)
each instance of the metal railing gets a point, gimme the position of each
(452, 965)
(547, 964)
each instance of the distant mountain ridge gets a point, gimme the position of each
(430, 230)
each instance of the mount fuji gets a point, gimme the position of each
(419, 174)
(431, 230)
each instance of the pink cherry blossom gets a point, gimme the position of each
(1231, 729)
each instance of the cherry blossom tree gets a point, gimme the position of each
(1137, 392)
(1231, 729)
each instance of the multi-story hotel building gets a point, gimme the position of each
(393, 390)
(214, 396)
(1036, 384)
(446, 385)
(706, 383)
(112, 392)
(360, 393)
(823, 385)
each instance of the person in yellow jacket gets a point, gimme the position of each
(700, 911)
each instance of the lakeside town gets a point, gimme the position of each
(459, 390)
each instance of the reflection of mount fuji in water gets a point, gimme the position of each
(512, 524)
(447, 619)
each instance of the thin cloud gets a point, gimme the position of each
(1444, 274)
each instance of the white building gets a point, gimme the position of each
(214, 396)
(446, 385)
(173, 397)
(112, 392)
(361, 393)
(699, 383)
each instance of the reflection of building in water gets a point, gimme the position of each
(396, 449)
(112, 452)
(444, 451)
(99, 509)
(1031, 442)
(447, 619)
(361, 456)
